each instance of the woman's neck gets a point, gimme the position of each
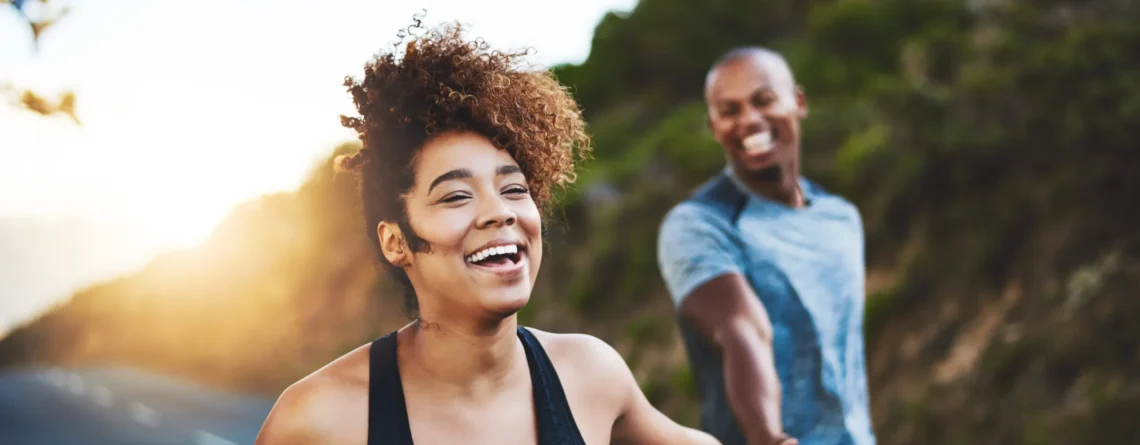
(465, 359)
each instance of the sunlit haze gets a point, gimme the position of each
(190, 107)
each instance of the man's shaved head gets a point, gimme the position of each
(751, 94)
(772, 62)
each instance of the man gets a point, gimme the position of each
(766, 271)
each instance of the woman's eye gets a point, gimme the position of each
(517, 190)
(455, 198)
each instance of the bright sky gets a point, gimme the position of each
(192, 106)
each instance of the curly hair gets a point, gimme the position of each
(443, 84)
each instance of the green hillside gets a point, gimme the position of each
(990, 146)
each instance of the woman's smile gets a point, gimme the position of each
(505, 259)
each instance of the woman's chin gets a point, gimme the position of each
(505, 305)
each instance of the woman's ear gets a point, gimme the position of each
(392, 243)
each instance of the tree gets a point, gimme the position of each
(39, 19)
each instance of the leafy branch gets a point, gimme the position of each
(39, 18)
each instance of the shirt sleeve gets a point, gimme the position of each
(693, 248)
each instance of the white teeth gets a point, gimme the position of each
(498, 250)
(758, 143)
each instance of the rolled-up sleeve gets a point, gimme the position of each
(692, 248)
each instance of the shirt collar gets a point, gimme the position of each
(805, 186)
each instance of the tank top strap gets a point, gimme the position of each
(556, 424)
(387, 412)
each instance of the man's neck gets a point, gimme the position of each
(470, 360)
(783, 188)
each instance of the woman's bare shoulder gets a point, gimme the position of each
(328, 406)
(572, 347)
(588, 363)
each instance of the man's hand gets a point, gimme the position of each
(785, 440)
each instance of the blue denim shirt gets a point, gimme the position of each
(806, 266)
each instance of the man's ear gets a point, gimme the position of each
(393, 244)
(801, 103)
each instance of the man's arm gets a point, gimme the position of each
(726, 312)
(704, 269)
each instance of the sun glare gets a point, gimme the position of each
(177, 127)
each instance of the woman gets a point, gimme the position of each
(461, 150)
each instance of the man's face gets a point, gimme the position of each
(754, 113)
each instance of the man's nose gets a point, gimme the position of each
(752, 119)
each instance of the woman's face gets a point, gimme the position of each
(471, 204)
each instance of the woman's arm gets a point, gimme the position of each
(289, 422)
(638, 421)
(641, 423)
(314, 411)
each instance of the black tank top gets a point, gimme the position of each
(388, 415)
